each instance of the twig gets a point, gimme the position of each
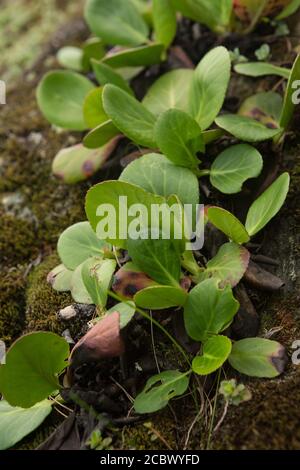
(123, 389)
(195, 419)
(222, 417)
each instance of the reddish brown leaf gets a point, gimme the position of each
(129, 280)
(102, 341)
(262, 279)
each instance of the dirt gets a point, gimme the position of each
(36, 208)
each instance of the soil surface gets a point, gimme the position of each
(35, 208)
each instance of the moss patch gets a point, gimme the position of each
(43, 302)
(24, 26)
(12, 284)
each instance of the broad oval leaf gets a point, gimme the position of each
(234, 166)
(60, 278)
(116, 22)
(216, 14)
(102, 341)
(142, 56)
(171, 90)
(179, 137)
(156, 174)
(156, 257)
(17, 422)
(93, 48)
(267, 205)
(93, 110)
(216, 351)
(61, 95)
(126, 312)
(129, 115)
(129, 280)
(209, 86)
(159, 390)
(164, 21)
(289, 101)
(78, 243)
(106, 74)
(228, 266)
(258, 357)
(97, 277)
(78, 290)
(265, 107)
(209, 309)
(260, 69)
(228, 224)
(116, 208)
(101, 135)
(77, 163)
(245, 128)
(160, 297)
(71, 58)
(32, 366)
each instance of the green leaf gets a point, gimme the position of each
(289, 104)
(61, 95)
(71, 58)
(137, 57)
(209, 86)
(267, 205)
(160, 297)
(258, 357)
(228, 224)
(93, 110)
(114, 192)
(171, 90)
(156, 257)
(33, 363)
(179, 137)
(97, 276)
(234, 166)
(209, 309)
(93, 48)
(101, 135)
(159, 390)
(164, 21)
(215, 14)
(106, 74)
(78, 243)
(156, 174)
(291, 8)
(245, 128)
(212, 135)
(77, 163)
(16, 422)
(116, 22)
(265, 107)
(216, 351)
(60, 278)
(260, 69)
(78, 290)
(129, 115)
(228, 266)
(126, 311)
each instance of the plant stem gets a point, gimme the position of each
(214, 412)
(156, 323)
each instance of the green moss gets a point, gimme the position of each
(17, 240)
(11, 304)
(24, 27)
(42, 301)
(140, 437)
